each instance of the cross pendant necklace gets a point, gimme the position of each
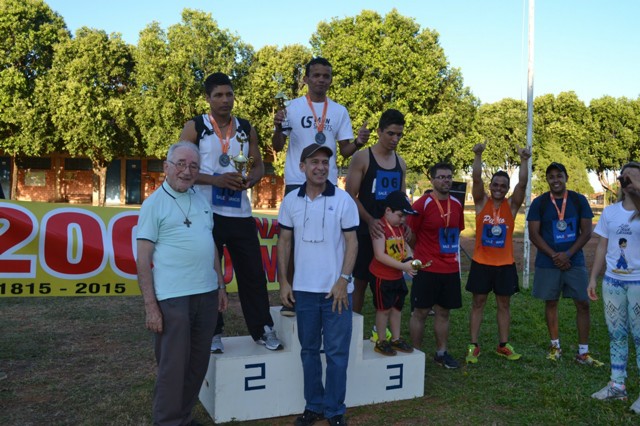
(186, 216)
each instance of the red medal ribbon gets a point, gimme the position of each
(442, 214)
(396, 237)
(319, 126)
(224, 142)
(564, 204)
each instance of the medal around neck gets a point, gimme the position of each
(320, 138)
(224, 160)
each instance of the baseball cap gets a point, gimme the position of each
(397, 200)
(312, 149)
(557, 166)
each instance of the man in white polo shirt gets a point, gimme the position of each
(322, 219)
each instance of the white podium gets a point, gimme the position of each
(250, 382)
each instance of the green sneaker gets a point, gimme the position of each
(587, 359)
(508, 352)
(554, 353)
(374, 334)
(473, 352)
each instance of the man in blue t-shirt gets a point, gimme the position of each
(559, 226)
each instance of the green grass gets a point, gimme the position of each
(89, 361)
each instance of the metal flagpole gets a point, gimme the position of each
(527, 203)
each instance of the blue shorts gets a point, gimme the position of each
(548, 283)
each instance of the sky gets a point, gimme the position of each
(586, 46)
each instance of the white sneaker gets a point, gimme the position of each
(635, 407)
(269, 339)
(217, 347)
(612, 392)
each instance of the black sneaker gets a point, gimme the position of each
(338, 420)
(308, 418)
(446, 360)
(288, 312)
(401, 345)
(383, 347)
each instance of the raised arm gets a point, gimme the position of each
(347, 149)
(520, 190)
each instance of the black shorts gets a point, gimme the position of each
(388, 294)
(431, 288)
(365, 255)
(502, 280)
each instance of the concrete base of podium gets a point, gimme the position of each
(250, 382)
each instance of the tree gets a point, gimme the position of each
(380, 63)
(170, 71)
(271, 64)
(29, 29)
(87, 90)
(615, 137)
(560, 133)
(503, 125)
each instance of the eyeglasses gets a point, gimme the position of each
(181, 166)
(443, 177)
(310, 232)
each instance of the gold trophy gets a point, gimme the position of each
(242, 164)
(282, 101)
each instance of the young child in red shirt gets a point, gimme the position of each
(392, 258)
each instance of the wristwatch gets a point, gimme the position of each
(347, 278)
(222, 286)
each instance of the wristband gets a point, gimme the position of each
(347, 277)
(222, 286)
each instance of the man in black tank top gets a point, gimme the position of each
(373, 174)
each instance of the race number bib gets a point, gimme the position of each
(490, 236)
(394, 248)
(385, 183)
(449, 239)
(566, 233)
(225, 197)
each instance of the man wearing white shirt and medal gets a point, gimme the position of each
(222, 138)
(314, 119)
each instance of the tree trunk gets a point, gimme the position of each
(99, 184)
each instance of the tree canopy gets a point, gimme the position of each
(93, 95)
(29, 31)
